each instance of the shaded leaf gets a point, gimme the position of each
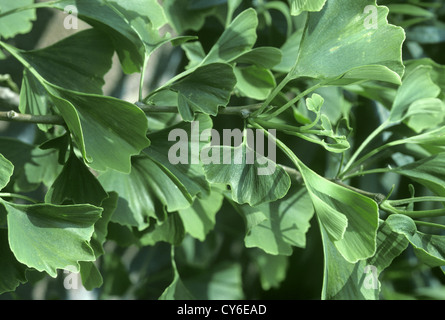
(76, 185)
(254, 82)
(12, 272)
(6, 171)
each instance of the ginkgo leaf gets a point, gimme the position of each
(344, 280)
(47, 237)
(18, 22)
(337, 41)
(131, 25)
(298, 6)
(205, 90)
(430, 249)
(248, 186)
(6, 170)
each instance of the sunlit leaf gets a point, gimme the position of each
(16, 23)
(337, 42)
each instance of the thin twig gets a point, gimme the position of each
(29, 118)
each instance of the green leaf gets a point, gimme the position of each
(48, 237)
(32, 165)
(148, 191)
(298, 6)
(285, 223)
(429, 172)
(171, 230)
(254, 82)
(272, 269)
(199, 219)
(76, 185)
(131, 25)
(247, 183)
(34, 98)
(220, 282)
(265, 57)
(237, 39)
(417, 85)
(6, 171)
(12, 272)
(356, 281)
(176, 290)
(206, 89)
(184, 18)
(350, 219)
(16, 23)
(430, 249)
(108, 131)
(69, 65)
(425, 114)
(337, 42)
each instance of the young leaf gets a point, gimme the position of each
(47, 237)
(337, 42)
(16, 23)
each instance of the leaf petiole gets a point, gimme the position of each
(17, 196)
